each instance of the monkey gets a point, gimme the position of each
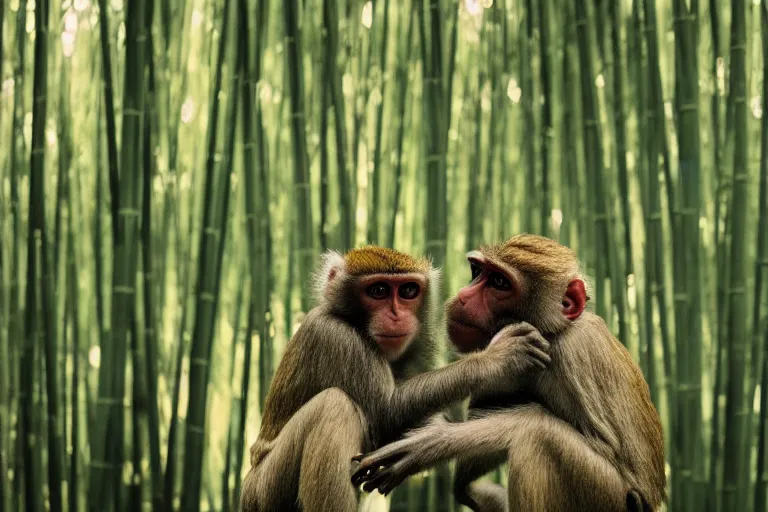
(580, 435)
(351, 380)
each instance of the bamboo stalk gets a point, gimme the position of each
(734, 480)
(760, 306)
(106, 78)
(346, 173)
(39, 272)
(401, 80)
(214, 228)
(73, 312)
(303, 198)
(530, 202)
(546, 114)
(373, 222)
(106, 441)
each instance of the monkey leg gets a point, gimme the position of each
(479, 496)
(310, 460)
(553, 468)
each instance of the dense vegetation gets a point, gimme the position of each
(171, 170)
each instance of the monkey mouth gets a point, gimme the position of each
(467, 336)
(391, 341)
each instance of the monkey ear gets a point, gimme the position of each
(574, 300)
(327, 276)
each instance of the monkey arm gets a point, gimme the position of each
(514, 355)
(426, 447)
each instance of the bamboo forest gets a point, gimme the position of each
(172, 171)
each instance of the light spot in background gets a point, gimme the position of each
(70, 22)
(117, 5)
(67, 43)
(265, 91)
(346, 85)
(474, 7)
(513, 91)
(757, 107)
(557, 218)
(50, 137)
(720, 74)
(487, 4)
(367, 17)
(81, 5)
(600, 81)
(197, 18)
(7, 87)
(94, 356)
(188, 110)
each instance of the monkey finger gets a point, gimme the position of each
(539, 341)
(540, 356)
(380, 480)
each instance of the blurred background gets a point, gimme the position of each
(171, 171)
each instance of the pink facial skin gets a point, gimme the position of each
(393, 301)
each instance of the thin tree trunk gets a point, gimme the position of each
(735, 481)
(107, 439)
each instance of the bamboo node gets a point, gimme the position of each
(686, 107)
(198, 361)
(122, 289)
(741, 176)
(101, 464)
(128, 212)
(210, 230)
(742, 47)
(109, 400)
(303, 185)
(206, 296)
(196, 429)
(737, 290)
(434, 157)
(132, 112)
(298, 114)
(38, 151)
(590, 122)
(654, 216)
(682, 297)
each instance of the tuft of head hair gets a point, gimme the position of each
(536, 254)
(371, 259)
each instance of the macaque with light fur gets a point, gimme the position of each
(580, 435)
(351, 379)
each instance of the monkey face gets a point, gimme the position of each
(473, 315)
(393, 302)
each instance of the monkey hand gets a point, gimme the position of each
(385, 468)
(519, 347)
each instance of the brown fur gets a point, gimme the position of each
(335, 394)
(582, 434)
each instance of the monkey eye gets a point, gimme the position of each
(408, 291)
(378, 291)
(476, 270)
(499, 282)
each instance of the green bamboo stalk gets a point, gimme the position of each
(734, 480)
(401, 81)
(619, 119)
(760, 307)
(106, 79)
(136, 486)
(473, 218)
(256, 179)
(106, 441)
(303, 198)
(325, 105)
(374, 216)
(530, 202)
(20, 387)
(149, 354)
(236, 407)
(546, 113)
(687, 251)
(593, 151)
(346, 174)
(242, 406)
(74, 489)
(655, 275)
(215, 220)
(570, 162)
(40, 262)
